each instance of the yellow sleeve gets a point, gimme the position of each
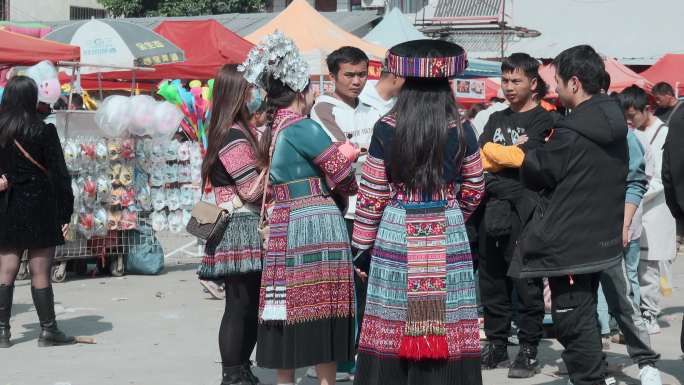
(503, 156)
(487, 164)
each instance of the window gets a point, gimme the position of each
(85, 13)
(4, 9)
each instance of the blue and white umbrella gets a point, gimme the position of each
(117, 43)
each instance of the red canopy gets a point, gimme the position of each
(621, 77)
(669, 68)
(18, 49)
(208, 45)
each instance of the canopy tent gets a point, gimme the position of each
(669, 68)
(621, 77)
(601, 24)
(18, 49)
(207, 46)
(312, 32)
(38, 30)
(394, 28)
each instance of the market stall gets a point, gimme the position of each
(669, 68)
(621, 77)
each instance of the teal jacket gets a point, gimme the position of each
(637, 182)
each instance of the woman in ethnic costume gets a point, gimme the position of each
(420, 183)
(306, 312)
(230, 167)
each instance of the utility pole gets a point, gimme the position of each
(503, 29)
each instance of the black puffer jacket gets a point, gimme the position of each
(581, 174)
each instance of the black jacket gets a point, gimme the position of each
(581, 174)
(673, 165)
(504, 128)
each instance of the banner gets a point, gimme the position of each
(469, 88)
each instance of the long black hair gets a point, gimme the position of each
(228, 108)
(425, 112)
(18, 114)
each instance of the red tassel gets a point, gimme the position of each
(424, 347)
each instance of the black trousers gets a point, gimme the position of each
(238, 332)
(498, 292)
(574, 318)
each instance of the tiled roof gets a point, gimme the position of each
(468, 9)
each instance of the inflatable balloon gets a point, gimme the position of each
(45, 76)
(169, 92)
(142, 108)
(167, 118)
(114, 116)
(195, 84)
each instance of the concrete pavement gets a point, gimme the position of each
(162, 330)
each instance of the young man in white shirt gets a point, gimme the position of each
(382, 95)
(345, 118)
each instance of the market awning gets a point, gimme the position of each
(311, 31)
(669, 68)
(621, 77)
(18, 49)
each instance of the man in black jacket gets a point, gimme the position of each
(508, 205)
(576, 229)
(673, 173)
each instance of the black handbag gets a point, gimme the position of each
(498, 218)
(208, 222)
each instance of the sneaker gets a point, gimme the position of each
(494, 356)
(605, 342)
(214, 289)
(526, 364)
(649, 375)
(652, 324)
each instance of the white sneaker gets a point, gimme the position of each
(652, 324)
(650, 376)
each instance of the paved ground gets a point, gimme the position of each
(162, 331)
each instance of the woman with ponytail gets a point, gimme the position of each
(230, 168)
(420, 184)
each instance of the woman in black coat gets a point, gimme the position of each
(36, 203)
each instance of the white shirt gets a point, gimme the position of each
(339, 120)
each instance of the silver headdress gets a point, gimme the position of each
(276, 56)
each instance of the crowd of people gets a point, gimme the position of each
(372, 227)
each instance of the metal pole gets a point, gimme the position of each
(503, 29)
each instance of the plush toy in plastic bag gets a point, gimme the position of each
(47, 80)
(114, 116)
(142, 118)
(114, 149)
(157, 174)
(128, 197)
(187, 197)
(101, 154)
(71, 156)
(157, 150)
(171, 173)
(100, 222)
(104, 189)
(113, 219)
(78, 202)
(158, 199)
(187, 215)
(129, 220)
(144, 198)
(173, 199)
(171, 153)
(167, 119)
(184, 173)
(176, 221)
(126, 175)
(86, 224)
(184, 152)
(128, 149)
(159, 221)
(89, 192)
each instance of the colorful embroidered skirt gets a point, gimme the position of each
(306, 311)
(238, 252)
(387, 307)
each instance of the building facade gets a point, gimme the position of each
(50, 10)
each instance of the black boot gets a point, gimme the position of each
(494, 356)
(44, 301)
(239, 375)
(6, 294)
(249, 375)
(234, 375)
(526, 364)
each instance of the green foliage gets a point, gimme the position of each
(137, 8)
